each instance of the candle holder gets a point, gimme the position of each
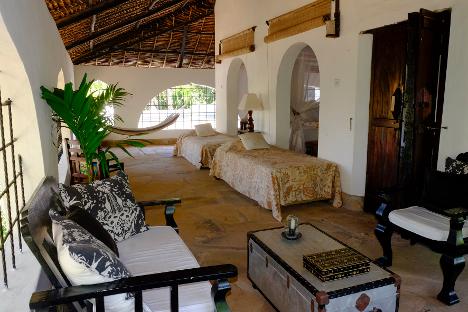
(291, 231)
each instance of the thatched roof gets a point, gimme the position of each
(143, 33)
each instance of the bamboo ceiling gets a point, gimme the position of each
(141, 33)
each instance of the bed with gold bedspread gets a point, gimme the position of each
(276, 177)
(200, 150)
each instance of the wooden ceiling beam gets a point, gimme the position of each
(189, 32)
(182, 48)
(187, 53)
(115, 43)
(134, 19)
(90, 11)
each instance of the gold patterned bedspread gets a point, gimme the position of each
(199, 150)
(277, 177)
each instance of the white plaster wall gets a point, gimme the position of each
(31, 55)
(144, 84)
(454, 140)
(344, 75)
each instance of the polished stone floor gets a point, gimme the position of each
(214, 220)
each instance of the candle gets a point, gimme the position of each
(292, 225)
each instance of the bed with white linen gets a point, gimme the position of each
(276, 177)
(199, 150)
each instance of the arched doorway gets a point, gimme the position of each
(242, 88)
(297, 98)
(236, 87)
(305, 103)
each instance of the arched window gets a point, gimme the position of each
(195, 103)
(96, 89)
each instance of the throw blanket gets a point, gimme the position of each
(200, 150)
(275, 177)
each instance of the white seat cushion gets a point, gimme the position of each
(424, 222)
(160, 249)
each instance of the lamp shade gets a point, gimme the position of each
(250, 101)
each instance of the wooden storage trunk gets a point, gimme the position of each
(275, 268)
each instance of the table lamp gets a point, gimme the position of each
(250, 102)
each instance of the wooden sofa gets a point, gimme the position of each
(166, 275)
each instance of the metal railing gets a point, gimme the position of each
(9, 213)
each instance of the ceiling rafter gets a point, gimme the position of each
(182, 48)
(124, 23)
(169, 44)
(176, 37)
(115, 43)
(209, 47)
(90, 11)
(175, 52)
(198, 41)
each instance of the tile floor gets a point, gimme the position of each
(214, 220)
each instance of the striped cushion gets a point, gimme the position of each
(424, 222)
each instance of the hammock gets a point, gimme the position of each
(140, 131)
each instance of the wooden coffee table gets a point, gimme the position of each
(275, 269)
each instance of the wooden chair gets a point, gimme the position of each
(437, 221)
(77, 163)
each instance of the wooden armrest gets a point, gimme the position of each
(166, 202)
(168, 212)
(136, 284)
(458, 212)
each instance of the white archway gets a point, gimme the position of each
(283, 94)
(305, 103)
(232, 94)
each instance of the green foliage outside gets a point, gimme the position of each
(185, 96)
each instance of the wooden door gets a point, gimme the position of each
(427, 63)
(387, 84)
(410, 57)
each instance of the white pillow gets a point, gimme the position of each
(253, 140)
(86, 261)
(204, 130)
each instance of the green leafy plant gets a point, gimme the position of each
(83, 112)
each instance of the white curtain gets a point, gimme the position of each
(300, 106)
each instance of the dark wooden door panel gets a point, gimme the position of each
(411, 56)
(384, 159)
(388, 72)
(430, 57)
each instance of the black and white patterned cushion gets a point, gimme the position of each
(111, 202)
(85, 260)
(456, 166)
(85, 249)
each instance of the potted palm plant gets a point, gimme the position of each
(83, 112)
